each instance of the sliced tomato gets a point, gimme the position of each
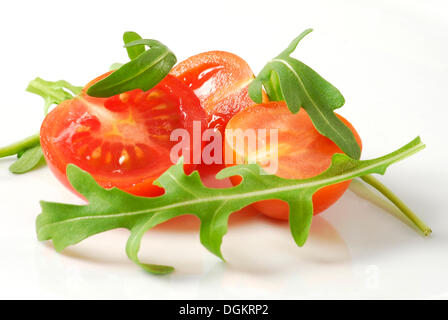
(220, 80)
(302, 151)
(124, 140)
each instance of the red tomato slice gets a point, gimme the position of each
(124, 140)
(220, 80)
(302, 151)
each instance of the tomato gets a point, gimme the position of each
(124, 140)
(220, 80)
(302, 151)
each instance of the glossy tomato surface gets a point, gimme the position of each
(220, 80)
(124, 140)
(302, 152)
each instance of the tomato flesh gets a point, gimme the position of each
(124, 140)
(220, 80)
(302, 152)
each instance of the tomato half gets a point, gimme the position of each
(220, 80)
(302, 151)
(124, 140)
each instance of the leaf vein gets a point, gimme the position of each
(273, 190)
(308, 95)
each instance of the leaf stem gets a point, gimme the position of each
(16, 147)
(375, 183)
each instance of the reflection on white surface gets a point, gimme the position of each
(355, 250)
(257, 266)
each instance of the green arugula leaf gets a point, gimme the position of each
(135, 51)
(29, 160)
(28, 150)
(67, 224)
(143, 72)
(115, 66)
(20, 153)
(256, 90)
(394, 199)
(20, 146)
(288, 79)
(53, 92)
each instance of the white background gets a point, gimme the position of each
(389, 58)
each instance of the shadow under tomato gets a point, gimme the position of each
(253, 257)
(324, 246)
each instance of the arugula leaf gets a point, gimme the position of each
(28, 150)
(53, 92)
(135, 51)
(143, 72)
(288, 79)
(20, 146)
(67, 224)
(29, 154)
(29, 160)
(115, 66)
(386, 192)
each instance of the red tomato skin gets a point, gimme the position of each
(323, 198)
(220, 80)
(138, 185)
